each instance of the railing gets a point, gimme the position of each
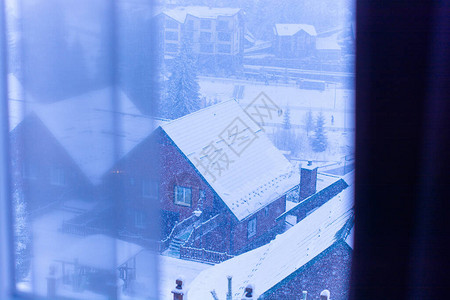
(203, 228)
(179, 227)
(203, 255)
(81, 229)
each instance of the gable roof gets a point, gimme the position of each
(267, 266)
(88, 128)
(254, 177)
(203, 12)
(291, 29)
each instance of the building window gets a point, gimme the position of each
(150, 188)
(223, 48)
(183, 196)
(205, 36)
(171, 24)
(189, 36)
(205, 24)
(222, 25)
(57, 176)
(171, 35)
(190, 25)
(206, 48)
(171, 47)
(224, 36)
(139, 219)
(251, 227)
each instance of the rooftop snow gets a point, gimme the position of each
(101, 252)
(204, 12)
(291, 29)
(247, 179)
(268, 265)
(89, 128)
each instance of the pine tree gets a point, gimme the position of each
(183, 93)
(319, 141)
(287, 119)
(309, 122)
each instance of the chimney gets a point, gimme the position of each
(308, 180)
(248, 293)
(229, 294)
(178, 291)
(305, 294)
(325, 295)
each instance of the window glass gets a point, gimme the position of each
(183, 196)
(205, 36)
(224, 36)
(171, 47)
(205, 24)
(251, 228)
(171, 35)
(206, 47)
(222, 25)
(150, 188)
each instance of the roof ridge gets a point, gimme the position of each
(201, 110)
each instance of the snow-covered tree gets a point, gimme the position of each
(309, 122)
(319, 141)
(287, 119)
(183, 91)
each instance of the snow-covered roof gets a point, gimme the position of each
(328, 43)
(101, 252)
(268, 265)
(203, 12)
(88, 126)
(248, 179)
(291, 29)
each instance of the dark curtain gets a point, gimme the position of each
(402, 240)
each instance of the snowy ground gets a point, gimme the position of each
(336, 104)
(331, 102)
(172, 268)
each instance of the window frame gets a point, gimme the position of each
(184, 189)
(251, 229)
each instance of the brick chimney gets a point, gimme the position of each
(248, 293)
(325, 295)
(308, 180)
(178, 291)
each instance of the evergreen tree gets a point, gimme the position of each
(319, 142)
(183, 91)
(309, 122)
(287, 119)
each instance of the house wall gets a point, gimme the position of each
(331, 271)
(36, 154)
(265, 222)
(211, 53)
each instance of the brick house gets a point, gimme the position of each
(219, 161)
(294, 40)
(64, 150)
(312, 256)
(216, 34)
